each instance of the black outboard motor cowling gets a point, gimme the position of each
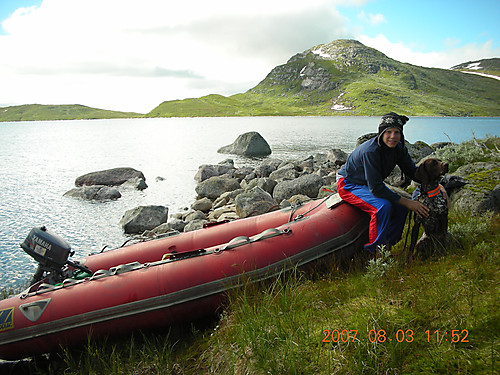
(52, 253)
(47, 248)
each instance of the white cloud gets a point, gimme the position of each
(131, 55)
(373, 19)
(442, 59)
(117, 53)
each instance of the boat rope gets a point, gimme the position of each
(300, 216)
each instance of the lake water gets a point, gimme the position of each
(41, 160)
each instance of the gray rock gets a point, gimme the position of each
(267, 166)
(195, 225)
(226, 198)
(264, 183)
(96, 192)
(203, 204)
(241, 173)
(177, 225)
(254, 202)
(365, 137)
(308, 184)
(419, 150)
(194, 215)
(482, 193)
(286, 172)
(248, 144)
(109, 177)
(223, 212)
(337, 156)
(142, 218)
(210, 170)
(160, 229)
(135, 183)
(213, 187)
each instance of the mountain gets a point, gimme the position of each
(37, 112)
(487, 66)
(345, 77)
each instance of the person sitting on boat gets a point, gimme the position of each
(360, 182)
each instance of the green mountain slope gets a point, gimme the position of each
(345, 77)
(37, 112)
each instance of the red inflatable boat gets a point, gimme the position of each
(170, 280)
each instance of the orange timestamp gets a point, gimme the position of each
(380, 336)
(374, 335)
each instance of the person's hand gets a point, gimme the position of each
(419, 208)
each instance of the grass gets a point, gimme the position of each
(281, 327)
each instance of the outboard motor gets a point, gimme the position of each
(51, 252)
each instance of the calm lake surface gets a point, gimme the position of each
(41, 160)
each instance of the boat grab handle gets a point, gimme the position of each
(235, 242)
(100, 273)
(271, 232)
(122, 268)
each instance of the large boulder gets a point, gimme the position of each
(308, 184)
(254, 202)
(215, 186)
(96, 192)
(111, 177)
(142, 218)
(247, 144)
(418, 150)
(482, 192)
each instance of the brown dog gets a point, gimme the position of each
(435, 225)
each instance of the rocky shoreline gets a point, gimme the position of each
(226, 192)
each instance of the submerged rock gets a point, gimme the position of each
(112, 177)
(96, 192)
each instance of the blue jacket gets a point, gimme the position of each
(370, 164)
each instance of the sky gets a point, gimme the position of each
(131, 55)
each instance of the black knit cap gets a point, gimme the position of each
(391, 120)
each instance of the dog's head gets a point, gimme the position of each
(430, 171)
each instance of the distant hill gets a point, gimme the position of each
(37, 112)
(487, 66)
(345, 77)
